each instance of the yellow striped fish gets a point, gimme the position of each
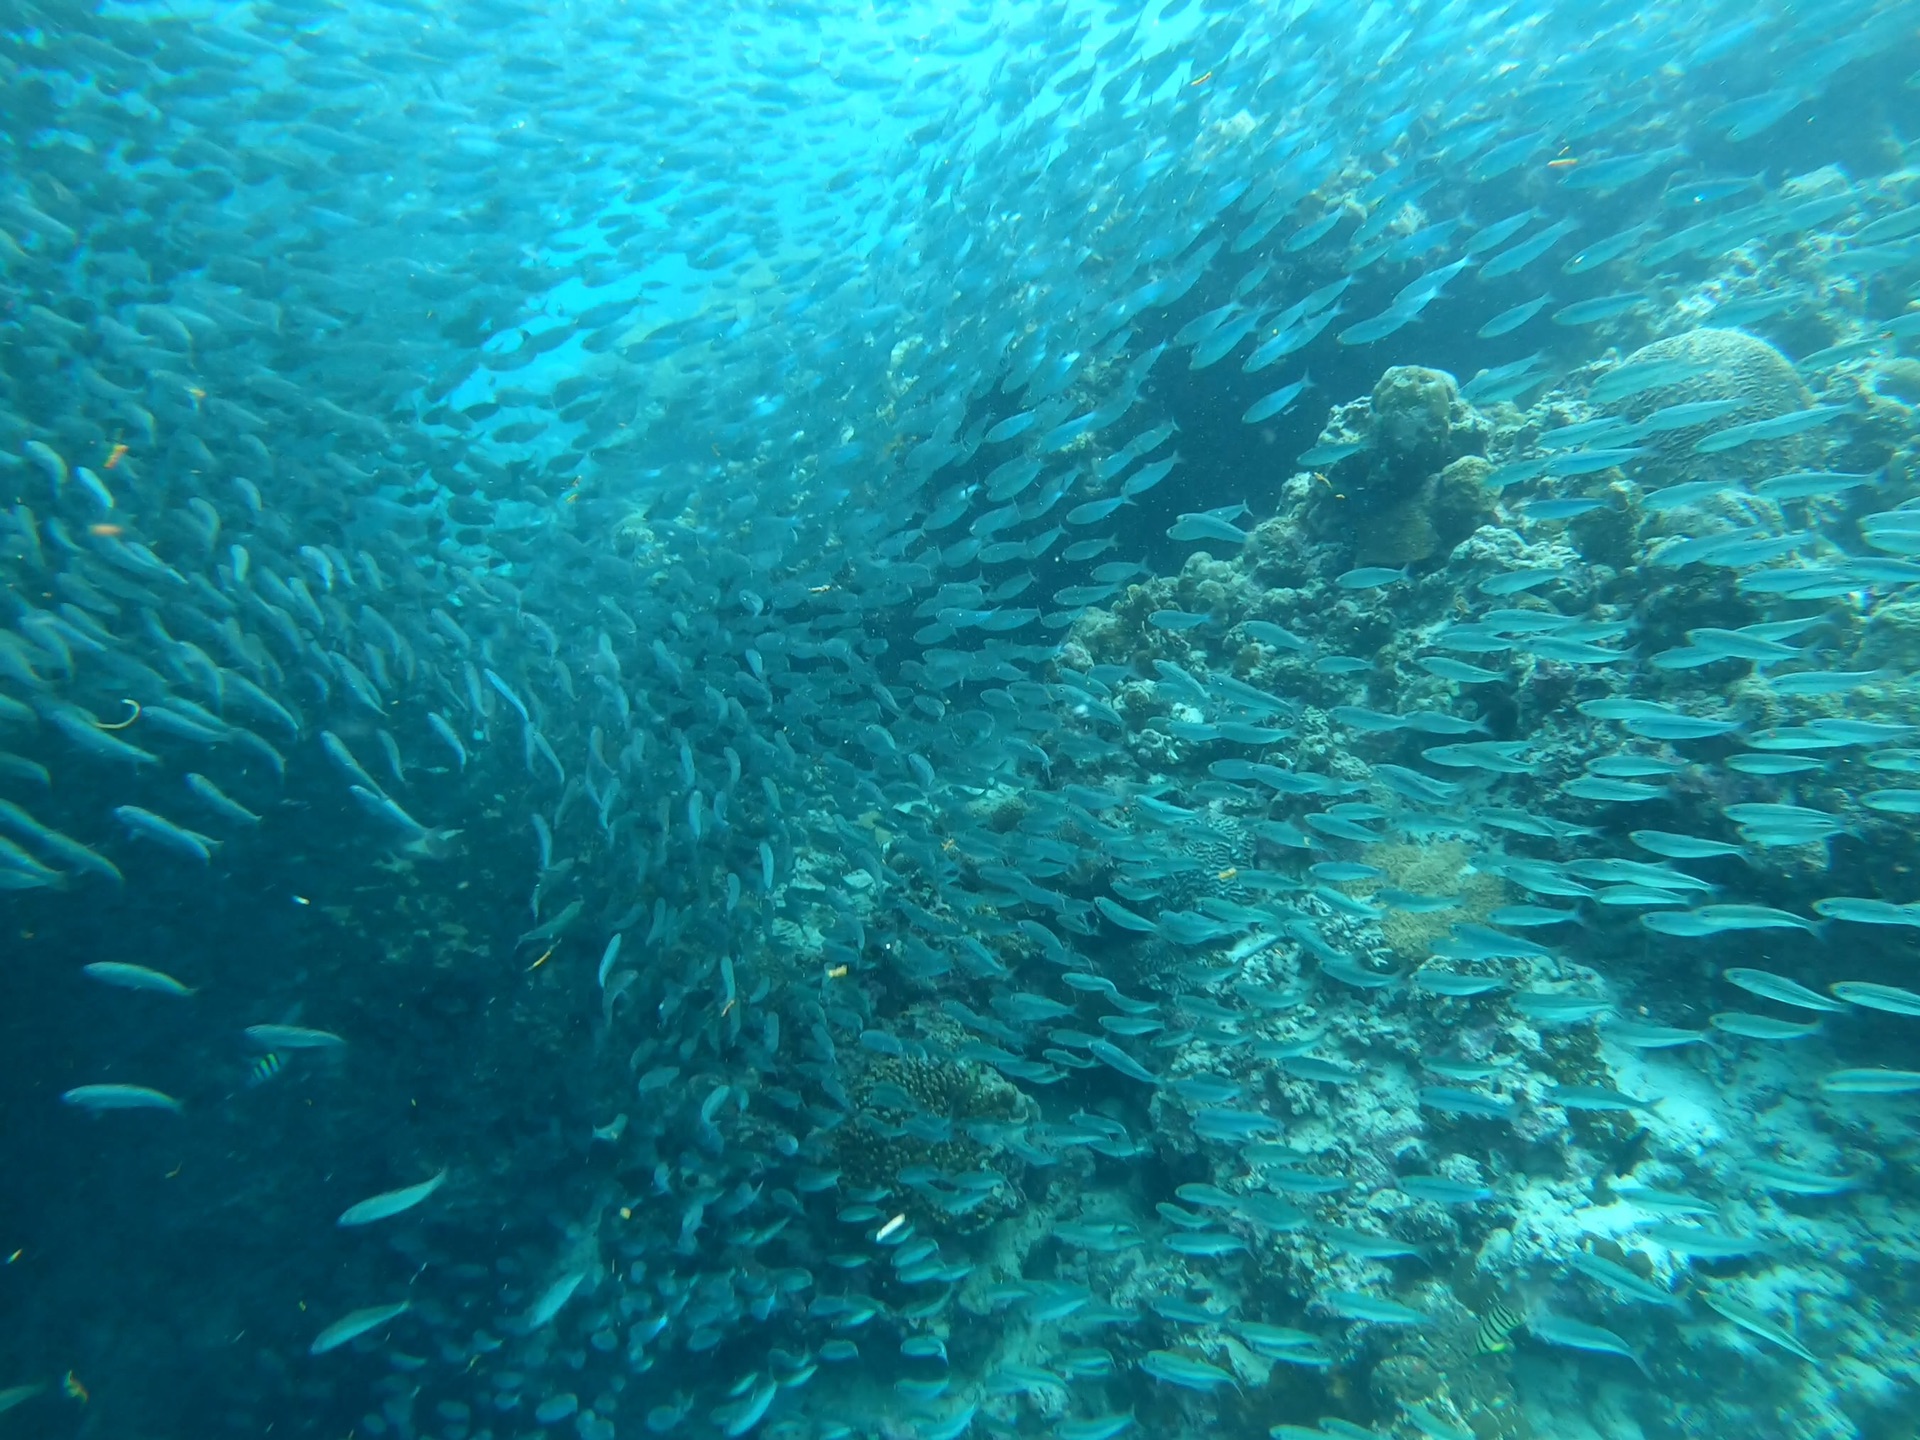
(1497, 1324)
(264, 1069)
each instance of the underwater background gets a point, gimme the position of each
(1040, 720)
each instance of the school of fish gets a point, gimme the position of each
(1028, 720)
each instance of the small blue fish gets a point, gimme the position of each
(1331, 453)
(1206, 527)
(1510, 320)
(1271, 405)
(1370, 577)
(1568, 509)
(1443, 1191)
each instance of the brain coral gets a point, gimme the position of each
(1443, 868)
(1738, 367)
(871, 1154)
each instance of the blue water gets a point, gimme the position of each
(670, 764)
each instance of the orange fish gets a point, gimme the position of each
(115, 456)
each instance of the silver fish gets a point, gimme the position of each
(135, 977)
(390, 1203)
(352, 1327)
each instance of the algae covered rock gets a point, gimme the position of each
(1900, 378)
(1412, 410)
(1893, 636)
(1415, 490)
